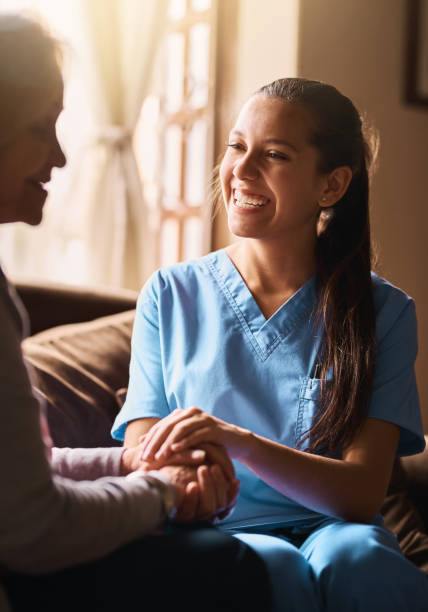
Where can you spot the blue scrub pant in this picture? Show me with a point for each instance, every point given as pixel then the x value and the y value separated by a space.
pixel 340 567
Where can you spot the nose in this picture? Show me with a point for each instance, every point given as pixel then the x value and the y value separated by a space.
pixel 246 167
pixel 58 158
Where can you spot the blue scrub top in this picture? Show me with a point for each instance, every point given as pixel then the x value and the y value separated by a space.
pixel 200 339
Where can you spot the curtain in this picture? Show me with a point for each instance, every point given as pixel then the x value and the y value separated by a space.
pixel 123 35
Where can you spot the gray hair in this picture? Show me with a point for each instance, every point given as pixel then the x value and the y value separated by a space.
pixel 30 70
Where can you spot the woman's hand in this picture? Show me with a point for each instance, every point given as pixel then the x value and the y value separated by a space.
pixel 131 459
pixel 206 491
pixel 203 492
pixel 183 429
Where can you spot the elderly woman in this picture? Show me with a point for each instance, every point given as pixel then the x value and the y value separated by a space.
pixel 72 519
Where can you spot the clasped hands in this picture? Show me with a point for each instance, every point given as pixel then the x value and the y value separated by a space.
pixel 204 478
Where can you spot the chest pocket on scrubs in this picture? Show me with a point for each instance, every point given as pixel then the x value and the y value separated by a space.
pixel 309 398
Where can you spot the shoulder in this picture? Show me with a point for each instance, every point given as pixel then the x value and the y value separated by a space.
pixel 12 312
pixel 392 305
pixel 184 278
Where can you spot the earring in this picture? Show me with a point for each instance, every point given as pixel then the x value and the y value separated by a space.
pixel 324 199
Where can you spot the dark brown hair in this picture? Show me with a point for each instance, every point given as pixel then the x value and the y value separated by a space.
pixel 345 310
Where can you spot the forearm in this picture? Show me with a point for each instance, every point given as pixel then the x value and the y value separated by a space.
pixel 137 428
pixel 86 463
pixel 349 489
pixel 66 522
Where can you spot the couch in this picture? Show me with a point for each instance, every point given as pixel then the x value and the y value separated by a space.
pixel 80 349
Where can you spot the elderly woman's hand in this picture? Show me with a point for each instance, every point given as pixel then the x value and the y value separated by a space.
pixel 204 493
pixel 204 477
pixel 132 460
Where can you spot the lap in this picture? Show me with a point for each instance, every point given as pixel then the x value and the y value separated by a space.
pixel 189 568
pixel 343 543
pixel 339 566
pixel 291 578
pixel 360 567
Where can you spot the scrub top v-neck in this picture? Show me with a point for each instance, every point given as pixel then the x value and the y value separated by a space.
pixel 200 339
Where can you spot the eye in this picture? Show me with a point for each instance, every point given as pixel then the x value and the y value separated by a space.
pixel 237 146
pixel 276 155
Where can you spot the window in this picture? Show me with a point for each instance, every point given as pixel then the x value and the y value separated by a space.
pixel 174 140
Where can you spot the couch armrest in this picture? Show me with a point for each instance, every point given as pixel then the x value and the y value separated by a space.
pixel 54 304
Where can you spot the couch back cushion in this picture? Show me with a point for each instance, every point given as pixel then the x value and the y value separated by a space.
pixel 81 369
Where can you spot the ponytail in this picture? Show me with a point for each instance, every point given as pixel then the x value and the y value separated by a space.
pixel 347 316
pixel 345 309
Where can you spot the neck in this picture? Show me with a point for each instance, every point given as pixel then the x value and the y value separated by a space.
pixel 271 270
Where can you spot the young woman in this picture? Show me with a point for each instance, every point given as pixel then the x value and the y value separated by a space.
pixel 65 544
pixel 288 351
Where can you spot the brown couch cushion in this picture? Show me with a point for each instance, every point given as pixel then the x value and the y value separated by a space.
pixel 402 517
pixel 416 472
pixel 80 367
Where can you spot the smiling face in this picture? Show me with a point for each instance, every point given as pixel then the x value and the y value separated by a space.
pixel 269 175
pixel 27 160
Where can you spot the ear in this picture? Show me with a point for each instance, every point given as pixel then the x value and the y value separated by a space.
pixel 337 182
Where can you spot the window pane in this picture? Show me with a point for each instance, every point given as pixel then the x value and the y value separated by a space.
pixel 172 166
pixel 176 9
pixel 199 63
pixel 192 239
pixel 174 71
pixel 146 138
pixel 201 5
pixel 196 146
pixel 169 242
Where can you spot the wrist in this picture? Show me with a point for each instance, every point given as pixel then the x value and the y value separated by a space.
pixel 124 468
pixel 247 442
pixel 130 461
pixel 168 492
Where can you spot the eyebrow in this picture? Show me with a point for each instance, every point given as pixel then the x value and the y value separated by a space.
pixel 277 141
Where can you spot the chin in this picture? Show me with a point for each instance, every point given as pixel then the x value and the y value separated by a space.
pixel 34 220
pixel 243 232
pixel 31 217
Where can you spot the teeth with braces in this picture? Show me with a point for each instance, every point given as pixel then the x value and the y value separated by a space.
pixel 244 201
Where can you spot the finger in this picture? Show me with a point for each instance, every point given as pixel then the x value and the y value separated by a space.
pixel 218 454
pixel 188 457
pixel 207 497
pixel 157 430
pixel 141 438
pixel 187 509
pixel 161 430
pixel 182 429
pixel 220 487
pixel 231 502
pixel 199 436
pixel 233 492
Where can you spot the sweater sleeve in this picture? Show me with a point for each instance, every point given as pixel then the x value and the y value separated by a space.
pixel 48 522
pixel 86 463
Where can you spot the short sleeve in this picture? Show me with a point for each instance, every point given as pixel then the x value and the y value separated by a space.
pixel 146 392
pixel 395 395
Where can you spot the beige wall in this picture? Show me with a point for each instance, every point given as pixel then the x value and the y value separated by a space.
pixel 357 45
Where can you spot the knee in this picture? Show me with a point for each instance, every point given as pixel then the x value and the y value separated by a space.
pixel 291 578
pixel 282 559
pixel 360 567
